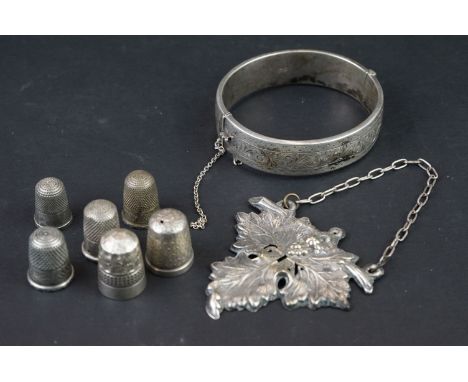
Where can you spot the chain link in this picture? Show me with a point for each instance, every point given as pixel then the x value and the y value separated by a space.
pixel 319 197
pixel 202 219
pixel 376 173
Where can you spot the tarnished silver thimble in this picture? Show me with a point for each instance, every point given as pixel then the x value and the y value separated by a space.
pixel 99 216
pixel 121 270
pixel 49 264
pixel 140 198
pixel 169 247
pixel 52 209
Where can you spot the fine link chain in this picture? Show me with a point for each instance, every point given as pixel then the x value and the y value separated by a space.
pixel 202 219
pixel 402 233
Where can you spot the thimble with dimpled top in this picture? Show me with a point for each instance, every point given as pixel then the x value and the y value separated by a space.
pixel 140 198
pixel 99 216
pixel 49 264
pixel 169 247
pixel 51 203
pixel 121 270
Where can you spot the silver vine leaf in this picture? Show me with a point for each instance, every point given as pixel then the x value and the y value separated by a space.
pixel 279 256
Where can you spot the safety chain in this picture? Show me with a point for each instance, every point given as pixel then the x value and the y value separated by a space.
pixel 202 219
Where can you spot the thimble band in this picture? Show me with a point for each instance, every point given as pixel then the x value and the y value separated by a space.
pixel 34 279
pixel 122 281
pixel 121 269
pixel 170 272
pixel 122 293
pixel 57 220
pixel 51 276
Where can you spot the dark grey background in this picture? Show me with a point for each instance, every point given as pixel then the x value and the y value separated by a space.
pixel 91 109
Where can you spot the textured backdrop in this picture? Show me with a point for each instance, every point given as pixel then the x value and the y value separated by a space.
pixel 91 109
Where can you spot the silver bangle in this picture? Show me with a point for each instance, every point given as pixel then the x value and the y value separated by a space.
pixel 305 157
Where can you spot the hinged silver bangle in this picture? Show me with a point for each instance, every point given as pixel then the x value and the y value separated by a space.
pixel 278 254
pixel 305 157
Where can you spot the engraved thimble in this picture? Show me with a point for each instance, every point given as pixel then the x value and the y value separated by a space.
pixel 49 264
pixel 169 247
pixel 51 202
pixel 121 270
pixel 99 216
pixel 140 198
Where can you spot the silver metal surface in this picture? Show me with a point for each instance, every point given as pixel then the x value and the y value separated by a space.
pixel 49 264
pixel 279 256
pixel 169 247
pixel 290 157
pixel 376 173
pixel 121 270
pixel 99 216
pixel 51 203
pixel 140 198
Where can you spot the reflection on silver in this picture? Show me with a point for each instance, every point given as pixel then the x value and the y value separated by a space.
pixel 279 256
pixel 169 247
pixel 99 216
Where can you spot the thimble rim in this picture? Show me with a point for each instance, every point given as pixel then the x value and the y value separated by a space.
pixel 51 288
pixel 65 224
pixel 170 272
pixel 87 254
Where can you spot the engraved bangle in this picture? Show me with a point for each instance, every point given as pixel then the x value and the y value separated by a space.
pixel 299 157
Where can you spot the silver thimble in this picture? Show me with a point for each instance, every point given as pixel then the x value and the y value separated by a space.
pixel 52 209
pixel 121 270
pixel 169 247
pixel 49 265
pixel 99 216
pixel 140 198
